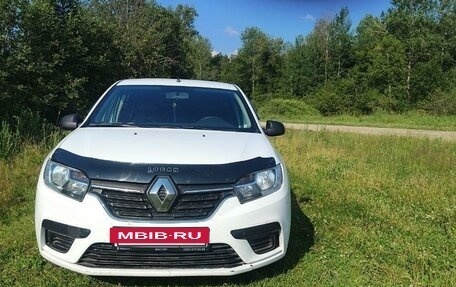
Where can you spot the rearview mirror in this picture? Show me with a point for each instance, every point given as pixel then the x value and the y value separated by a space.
pixel 70 122
pixel 274 128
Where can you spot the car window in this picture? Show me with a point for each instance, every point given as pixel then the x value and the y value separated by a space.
pixel 169 106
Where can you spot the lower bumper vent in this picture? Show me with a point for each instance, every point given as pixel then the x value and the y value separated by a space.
pixel 106 255
pixel 60 236
pixel 262 238
pixel 58 242
pixel 264 244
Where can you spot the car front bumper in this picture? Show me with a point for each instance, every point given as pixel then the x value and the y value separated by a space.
pixel 229 216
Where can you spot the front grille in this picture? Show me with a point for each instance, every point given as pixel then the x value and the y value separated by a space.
pixel 58 242
pixel 131 202
pixel 105 255
pixel 265 243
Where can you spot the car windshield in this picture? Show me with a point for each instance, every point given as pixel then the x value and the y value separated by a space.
pixel 173 107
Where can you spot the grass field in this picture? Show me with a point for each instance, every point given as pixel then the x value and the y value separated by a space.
pixel 367 211
pixel 407 120
pixel 290 110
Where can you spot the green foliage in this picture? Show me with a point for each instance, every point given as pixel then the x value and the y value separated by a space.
pixel 345 96
pixel 153 41
pixel 380 67
pixel 26 128
pixel 257 66
pixel 200 56
pixel 9 140
pixel 299 75
pixel 423 28
pixel 58 56
pixel 278 108
pixel 396 63
pixel 328 101
pixel 325 54
pixel 218 68
pixel 440 103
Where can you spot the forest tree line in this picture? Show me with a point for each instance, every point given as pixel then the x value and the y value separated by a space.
pixel 58 56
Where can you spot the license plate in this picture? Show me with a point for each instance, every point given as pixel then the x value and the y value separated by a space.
pixel 160 236
pixel 163 248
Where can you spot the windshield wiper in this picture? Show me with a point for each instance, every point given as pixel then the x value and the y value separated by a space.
pixel 116 124
pixel 162 126
pixel 173 126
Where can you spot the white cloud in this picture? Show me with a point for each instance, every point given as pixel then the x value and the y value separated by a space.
pixel 307 18
pixel 231 31
pixel 214 53
pixel 234 53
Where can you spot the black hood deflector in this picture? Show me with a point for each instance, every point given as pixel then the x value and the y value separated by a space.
pixel 146 172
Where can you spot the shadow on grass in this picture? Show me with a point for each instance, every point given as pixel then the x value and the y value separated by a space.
pixel 301 240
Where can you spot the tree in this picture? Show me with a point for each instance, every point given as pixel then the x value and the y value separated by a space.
pixel 218 64
pixel 56 57
pixel 319 48
pixel 380 65
pixel 258 65
pixel 316 59
pixel 330 42
pixel 154 41
pixel 10 15
pixel 414 23
pixel 59 55
pixel 299 72
pixel 200 56
pixel 341 43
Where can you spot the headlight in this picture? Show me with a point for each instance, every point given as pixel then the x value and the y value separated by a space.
pixel 69 181
pixel 259 184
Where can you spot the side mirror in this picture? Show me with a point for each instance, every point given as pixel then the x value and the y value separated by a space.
pixel 70 122
pixel 274 128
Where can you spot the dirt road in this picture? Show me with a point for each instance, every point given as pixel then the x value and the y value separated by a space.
pixel 432 134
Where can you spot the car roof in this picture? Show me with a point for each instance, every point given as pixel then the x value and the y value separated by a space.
pixel 177 82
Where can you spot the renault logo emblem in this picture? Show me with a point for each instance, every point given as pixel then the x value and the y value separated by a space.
pixel 162 193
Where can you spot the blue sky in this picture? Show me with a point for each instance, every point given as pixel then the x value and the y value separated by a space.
pixel 222 21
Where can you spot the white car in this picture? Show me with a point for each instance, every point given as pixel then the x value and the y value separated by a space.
pixel 164 177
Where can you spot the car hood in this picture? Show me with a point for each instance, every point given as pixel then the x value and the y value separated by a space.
pixel 166 146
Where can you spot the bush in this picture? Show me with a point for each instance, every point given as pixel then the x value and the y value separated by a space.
pixel 344 96
pixel 440 103
pixel 329 102
pixel 280 108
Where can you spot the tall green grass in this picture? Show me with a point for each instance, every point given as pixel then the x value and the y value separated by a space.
pixel 27 128
pixel 383 208
pixel 23 144
pixel 10 140
pixel 366 211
